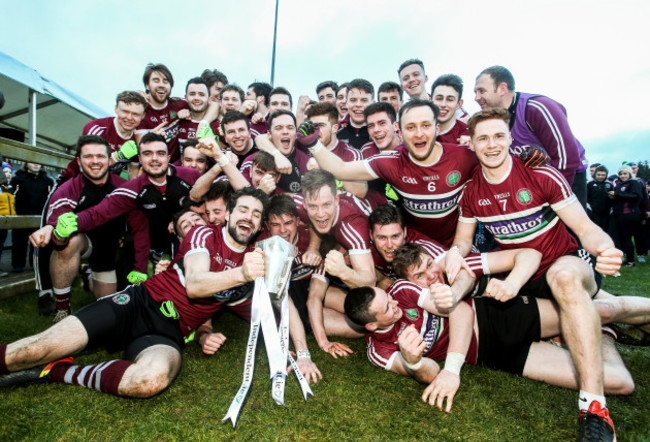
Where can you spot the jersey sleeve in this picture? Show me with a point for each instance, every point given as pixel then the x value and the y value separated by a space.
pixel 465 204
pixel 64 200
pixel 379 165
pixel 116 203
pixel 198 240
pixel 548 120
pixel 354 236
pixel 139 225
pixel 555 188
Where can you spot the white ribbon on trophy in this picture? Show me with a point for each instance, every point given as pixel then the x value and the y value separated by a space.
pixel 273 286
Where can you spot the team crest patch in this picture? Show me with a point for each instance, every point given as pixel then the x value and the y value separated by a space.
pixel 412 313
pixel 453 178
pixel 524 196
pixel 121 299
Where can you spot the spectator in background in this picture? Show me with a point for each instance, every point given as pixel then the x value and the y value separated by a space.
pixel 599 204
pixel 627 196
pixel 640 232
pixel 7 206
pixel 32 186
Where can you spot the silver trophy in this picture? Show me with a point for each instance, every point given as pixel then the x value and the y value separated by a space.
pixel 279 259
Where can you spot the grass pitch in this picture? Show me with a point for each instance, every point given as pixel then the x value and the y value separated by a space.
pixel 355 400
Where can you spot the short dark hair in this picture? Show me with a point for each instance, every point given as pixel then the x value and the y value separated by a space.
pixel 407 255
pixel 283 204
pixel 197 80
pixel 212 76
pixel 409 62
pixel 380 106
pixel 451 80
pixel 130 97
pixel 601 168
pixel 249 191
pixel 281 91
pixel 264 160
pixel 151 137
pixel 157 67
pixel 279 113
pixel 218 189
pixel 176 216
pixel 342 86
pixel 418 102
pixel 323 108
pixel 500 75
pixel 315 179
pixel 232 116
pixel 491 113
pixel 384 215
pixel 92 139
pixel 234 87
pixel 388 86
pixel 263 89
pixel 325 84
pixel 357 305
pixel 594 165
pixel 361 84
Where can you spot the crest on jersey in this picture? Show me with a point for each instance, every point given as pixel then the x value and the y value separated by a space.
pixel 412 313
pixel 453 178
pixel 524 196
pixel 121 299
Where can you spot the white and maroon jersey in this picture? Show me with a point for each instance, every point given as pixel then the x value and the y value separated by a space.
pixel 453 133
pixel 429 193
pixel 369 149
pixel 436 250
pixel 346 152
pixel 520 211
pixel 383 347
pixel 167 114
pixel 107 129
pixel 298 269
pixel 187 129
pixel 170 284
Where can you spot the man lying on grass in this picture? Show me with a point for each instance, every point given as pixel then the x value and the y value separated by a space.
pixel 216 265
pixel 409 321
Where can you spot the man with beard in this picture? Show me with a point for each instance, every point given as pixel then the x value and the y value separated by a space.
pixel 196 96
pixel 215 268
pixel 159 192
pixel 99 245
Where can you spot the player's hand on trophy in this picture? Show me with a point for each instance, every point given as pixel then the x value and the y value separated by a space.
pixel 253 266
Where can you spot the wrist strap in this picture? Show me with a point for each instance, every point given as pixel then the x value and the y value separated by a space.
pixel 303 354
pixel 412 367
pixel 454 362
pixel 223 160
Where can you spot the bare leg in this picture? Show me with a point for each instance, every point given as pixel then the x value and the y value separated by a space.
pixel 62 339
pixel 101 289
pixel 572 284
pixel 64 264
pixel 153 370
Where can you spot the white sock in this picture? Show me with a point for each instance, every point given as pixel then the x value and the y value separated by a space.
pixel 585 399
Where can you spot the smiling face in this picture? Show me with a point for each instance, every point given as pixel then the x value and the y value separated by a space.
pixel 129 116
pixel 197 97
pixel 238 136
pixel 215 211
pixel 413 80
pixel 282 134
pixel 285 226
pixel 358 101
pixel 387 239
pixel 381 130
pixel 187 221
pixel 419 132
pixel 154 159
pixel 491 143
pixel 194 159
pixel 327 94
pixel 245 220
pixel 215 90
pixel 426 272
pixel 230 101
pixel 93 162
pixel 322 207
pixel 392 98
pixel 487 93
pixel 159 88
pixel 446 98
pixel 342 102
pixel 385 310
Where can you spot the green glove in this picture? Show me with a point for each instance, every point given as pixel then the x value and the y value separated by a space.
pixel 127 151
pixel 136 277
pixel 205 132
pixel 66 225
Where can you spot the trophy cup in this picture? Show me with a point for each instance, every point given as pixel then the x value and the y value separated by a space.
pixel 279 258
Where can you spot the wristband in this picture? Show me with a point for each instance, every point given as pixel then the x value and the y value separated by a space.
pixel 412 367
pixel 223 160
pixel 456 248
pixel 315 148
pixel 303 354
pixel 276 151
pixel 454 363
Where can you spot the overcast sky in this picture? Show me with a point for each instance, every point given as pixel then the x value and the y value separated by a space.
pixel 590 55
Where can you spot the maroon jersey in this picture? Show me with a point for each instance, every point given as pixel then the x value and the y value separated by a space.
pixel 107 129
pixel 288 183
pixel 345 152
pixel 298 269
pixel 187 129
pixel 429 193
pixel 412 236
pixel 170 284
pixel 369 149
pixel 520 211
pixel 382 345
pixel 454 133
pixel 167 114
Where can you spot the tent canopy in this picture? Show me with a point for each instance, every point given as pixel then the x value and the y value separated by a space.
pixel 59 114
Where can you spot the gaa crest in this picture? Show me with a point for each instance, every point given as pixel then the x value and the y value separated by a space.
pixel 524 196
pixel 121 299
pixel 453 178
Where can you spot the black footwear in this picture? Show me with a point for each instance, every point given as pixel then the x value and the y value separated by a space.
pixel 36 375
pixel 596 425
pixel 631 335
pixel 46 304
